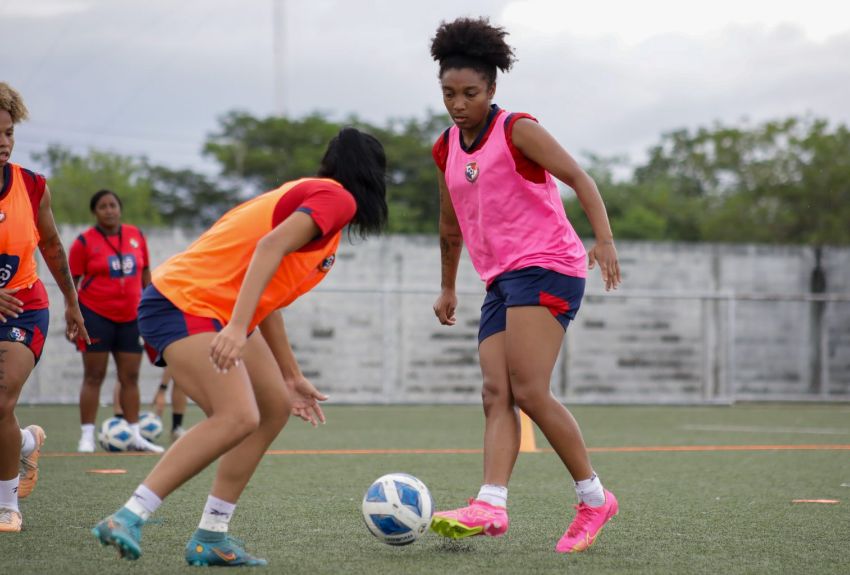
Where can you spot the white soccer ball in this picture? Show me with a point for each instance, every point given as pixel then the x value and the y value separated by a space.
pixel 397 508
pixel 115 434
pixel 150 425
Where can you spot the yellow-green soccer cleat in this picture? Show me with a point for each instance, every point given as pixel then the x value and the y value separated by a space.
pixel 477 518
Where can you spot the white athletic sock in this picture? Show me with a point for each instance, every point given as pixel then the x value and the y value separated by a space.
pixel 217 514
pixel 9 494
pixel 137 432
pixel 27 443
pixel 590 491
pixel 494 495
pixel 143 502
pixel 87 430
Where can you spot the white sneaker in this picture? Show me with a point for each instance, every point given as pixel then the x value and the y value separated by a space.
pixel 177 433
pixel 86 444
pixel 142 444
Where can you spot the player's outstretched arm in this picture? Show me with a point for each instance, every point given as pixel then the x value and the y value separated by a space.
pixel 305 398
pixel 293 233
pixel 538 145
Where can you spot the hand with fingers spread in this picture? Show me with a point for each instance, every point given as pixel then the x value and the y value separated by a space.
pixel 227 346
pixel 606 255
pixel 10 306
pixel 305 400
pixel 445 306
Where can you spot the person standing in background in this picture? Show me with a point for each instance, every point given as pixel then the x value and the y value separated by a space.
pixel 110 266
pixel 178 404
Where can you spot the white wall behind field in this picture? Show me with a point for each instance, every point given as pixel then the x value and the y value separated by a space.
pixel 691 323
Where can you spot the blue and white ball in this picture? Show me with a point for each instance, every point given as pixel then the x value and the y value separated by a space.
pixel 115 434
pixel 150 425
pixel 397 508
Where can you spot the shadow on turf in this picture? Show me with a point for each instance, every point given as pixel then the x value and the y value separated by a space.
pixel 452 546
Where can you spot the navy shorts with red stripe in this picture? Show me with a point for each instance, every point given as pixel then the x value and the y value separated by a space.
pixel 107 335
pixel 161 323
pixel 533 286
pixel 29 328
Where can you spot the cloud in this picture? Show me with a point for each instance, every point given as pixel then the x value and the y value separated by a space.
pixel 609 97
pixel 45 8
pixel 634 22
pixel 152 77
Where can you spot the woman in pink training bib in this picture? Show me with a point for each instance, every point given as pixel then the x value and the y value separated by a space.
pixel 498 196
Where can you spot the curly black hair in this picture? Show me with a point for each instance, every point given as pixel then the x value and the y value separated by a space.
pixel 472 43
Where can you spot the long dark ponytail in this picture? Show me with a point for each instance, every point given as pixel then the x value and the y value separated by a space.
pixel 357 161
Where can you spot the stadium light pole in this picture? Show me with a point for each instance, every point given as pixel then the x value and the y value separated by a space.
pixel 279 54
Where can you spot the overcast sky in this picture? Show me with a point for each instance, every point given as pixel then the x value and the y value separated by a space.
pixel 151 77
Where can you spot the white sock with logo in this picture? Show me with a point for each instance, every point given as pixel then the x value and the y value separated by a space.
pixel 494 495
pixel 27 443
pixel 590 491
pixel 143 502
pixel 217 514
pixel 9 494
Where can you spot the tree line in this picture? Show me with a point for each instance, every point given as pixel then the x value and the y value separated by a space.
pixel 783 181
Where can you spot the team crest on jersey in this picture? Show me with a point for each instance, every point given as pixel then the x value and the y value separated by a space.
pixel 17 334
pixel 134 243
pixel 327 263
pixel 471 172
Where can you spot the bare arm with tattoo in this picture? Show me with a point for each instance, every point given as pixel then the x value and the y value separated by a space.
pixel 451 243
pixel 54 256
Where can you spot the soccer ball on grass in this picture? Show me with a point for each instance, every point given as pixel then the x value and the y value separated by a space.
pixel 115 434
pixel 397 508
pixel 150 425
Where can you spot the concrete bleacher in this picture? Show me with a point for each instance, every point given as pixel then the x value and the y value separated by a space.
pixel 691 323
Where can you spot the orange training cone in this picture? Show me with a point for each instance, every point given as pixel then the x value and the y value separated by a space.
pixel 526 434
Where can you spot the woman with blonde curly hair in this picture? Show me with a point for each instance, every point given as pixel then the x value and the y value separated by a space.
pixel 26 222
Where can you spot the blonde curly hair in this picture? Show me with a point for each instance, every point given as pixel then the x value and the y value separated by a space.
pixel 11 101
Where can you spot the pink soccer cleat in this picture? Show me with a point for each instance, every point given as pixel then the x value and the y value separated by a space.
pixel 478 518
pixel 586 526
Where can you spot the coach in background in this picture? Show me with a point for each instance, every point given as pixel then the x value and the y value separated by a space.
pixel 110 265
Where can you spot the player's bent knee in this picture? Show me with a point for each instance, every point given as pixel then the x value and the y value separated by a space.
pixel 242 424
pixel 530 400
pixel 494 395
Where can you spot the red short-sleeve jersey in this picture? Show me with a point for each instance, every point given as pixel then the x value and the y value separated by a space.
pixel 110 267
pixel 330 206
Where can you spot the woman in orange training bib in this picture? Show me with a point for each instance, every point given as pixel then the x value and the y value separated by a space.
pixel 211 315
pixel 26 222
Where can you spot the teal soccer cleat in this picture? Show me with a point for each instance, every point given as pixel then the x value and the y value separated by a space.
pixel 122 530
pixel 207 548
